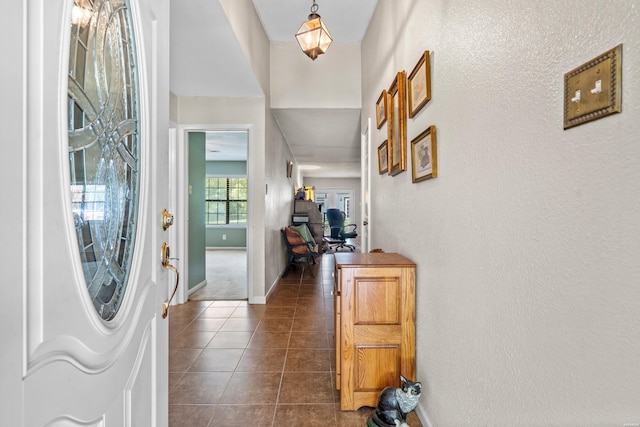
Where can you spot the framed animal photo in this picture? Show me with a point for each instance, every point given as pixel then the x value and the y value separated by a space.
pixel 381 109
pixel 419 86
pixel 383 158
pixel 424 159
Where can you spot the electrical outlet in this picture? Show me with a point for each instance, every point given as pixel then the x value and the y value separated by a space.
pixel 224 237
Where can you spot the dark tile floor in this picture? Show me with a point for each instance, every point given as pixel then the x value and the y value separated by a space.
pixel 235 364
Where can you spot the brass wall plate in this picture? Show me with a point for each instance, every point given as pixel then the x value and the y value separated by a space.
pixel 594 89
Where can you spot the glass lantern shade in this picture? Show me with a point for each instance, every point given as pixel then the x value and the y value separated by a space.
pixel 313 37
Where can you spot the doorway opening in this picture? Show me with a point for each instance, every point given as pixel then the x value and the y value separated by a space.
pixel 340 198
pixel 218 214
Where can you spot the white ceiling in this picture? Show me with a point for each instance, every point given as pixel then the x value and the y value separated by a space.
pixel 325 142
pixel 347 20
pixel 226 145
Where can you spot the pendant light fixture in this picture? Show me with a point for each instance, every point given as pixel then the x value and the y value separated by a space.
pixel 313 36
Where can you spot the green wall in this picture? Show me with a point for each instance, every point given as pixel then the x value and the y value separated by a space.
pixel 230 168
pixel 197 229
pixel 236 237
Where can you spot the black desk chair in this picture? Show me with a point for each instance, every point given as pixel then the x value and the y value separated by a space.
pixel 340 231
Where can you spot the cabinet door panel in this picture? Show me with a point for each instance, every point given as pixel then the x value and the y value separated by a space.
pixel 377 300
pixel 376 367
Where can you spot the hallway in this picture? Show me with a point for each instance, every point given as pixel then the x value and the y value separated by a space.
pixel 231 363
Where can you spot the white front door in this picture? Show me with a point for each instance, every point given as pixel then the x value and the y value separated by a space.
pixel 92 344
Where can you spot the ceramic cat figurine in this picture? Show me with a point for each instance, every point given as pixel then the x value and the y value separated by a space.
pixel 394 404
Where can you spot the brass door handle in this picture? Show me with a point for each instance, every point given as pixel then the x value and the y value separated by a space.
pixel 166 264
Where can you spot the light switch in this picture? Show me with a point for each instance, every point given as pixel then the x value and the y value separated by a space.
pixel 592 90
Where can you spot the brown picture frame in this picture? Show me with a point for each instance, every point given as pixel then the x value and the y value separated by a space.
pixel 424 159
pixel 397 124
pixel 383 158
pixel 381 109
pixel 419 85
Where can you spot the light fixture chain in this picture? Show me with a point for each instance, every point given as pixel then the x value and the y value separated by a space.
pixel 314 7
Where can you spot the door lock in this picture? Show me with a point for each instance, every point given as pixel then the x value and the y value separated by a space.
pixel 167 219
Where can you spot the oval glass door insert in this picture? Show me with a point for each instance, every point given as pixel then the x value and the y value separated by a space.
pixel 104 146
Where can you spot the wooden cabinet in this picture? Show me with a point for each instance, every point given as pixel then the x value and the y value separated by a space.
pixel 374 297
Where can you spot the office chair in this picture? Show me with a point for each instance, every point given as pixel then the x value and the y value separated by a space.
pixel 339 231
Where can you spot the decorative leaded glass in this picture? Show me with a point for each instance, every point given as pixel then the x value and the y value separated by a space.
pixel 104 146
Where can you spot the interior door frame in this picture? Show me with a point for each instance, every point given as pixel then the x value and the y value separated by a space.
pixel 182 196
pixel 365 182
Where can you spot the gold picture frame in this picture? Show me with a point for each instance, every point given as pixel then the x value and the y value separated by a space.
pixel 419 86
pixel 424 159
pixel 397 124
pixel 381 109
pixel 383 158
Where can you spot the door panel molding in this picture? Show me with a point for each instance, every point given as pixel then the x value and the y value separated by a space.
pixel 66 421
pixel 70 349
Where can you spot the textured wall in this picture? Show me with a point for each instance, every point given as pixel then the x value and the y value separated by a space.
pixel 331 81
pixel 527 244
pixel 278 202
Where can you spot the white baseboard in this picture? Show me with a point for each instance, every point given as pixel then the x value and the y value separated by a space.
pixel 263 300
pixel 422 416
pixel 231 248
pixel 258 300
pixel 198 286
pixel 274 284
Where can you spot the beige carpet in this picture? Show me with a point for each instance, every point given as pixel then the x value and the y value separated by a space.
pixel 226 276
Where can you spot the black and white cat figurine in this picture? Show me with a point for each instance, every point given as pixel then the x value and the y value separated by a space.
pixel 394 404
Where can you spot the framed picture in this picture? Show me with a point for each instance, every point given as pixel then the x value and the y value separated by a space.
pixel 289 168
pixel 420 84
pixel 383 158
pixel 381 109
pixel 397 124
pixel 424 161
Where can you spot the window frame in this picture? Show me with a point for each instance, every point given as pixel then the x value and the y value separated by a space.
pixel 227 201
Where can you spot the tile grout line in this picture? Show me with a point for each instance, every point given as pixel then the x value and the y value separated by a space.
pixel 286 355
